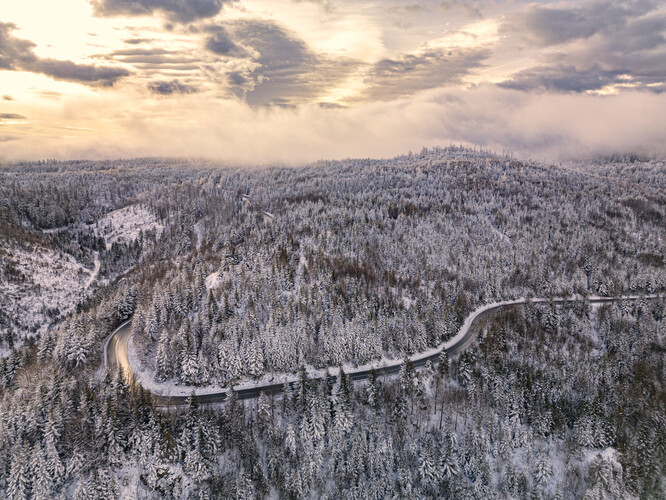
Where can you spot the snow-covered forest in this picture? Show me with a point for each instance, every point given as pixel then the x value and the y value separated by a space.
pixel 232 275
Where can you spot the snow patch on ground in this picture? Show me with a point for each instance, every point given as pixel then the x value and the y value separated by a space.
pixel 126 223
pixel 198 231
pixel 54 230
pixel 213 281
pixel 609 454
pixel 95 273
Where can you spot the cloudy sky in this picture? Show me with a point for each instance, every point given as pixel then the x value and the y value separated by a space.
pixel 289 81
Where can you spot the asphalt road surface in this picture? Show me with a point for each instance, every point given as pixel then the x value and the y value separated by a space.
pixel 115 352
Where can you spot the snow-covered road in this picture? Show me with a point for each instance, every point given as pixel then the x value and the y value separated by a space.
pixel 115 354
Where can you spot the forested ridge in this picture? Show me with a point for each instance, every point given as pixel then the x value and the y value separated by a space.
pixel 233 274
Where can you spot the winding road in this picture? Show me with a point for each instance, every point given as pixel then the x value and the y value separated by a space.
pixel 115 352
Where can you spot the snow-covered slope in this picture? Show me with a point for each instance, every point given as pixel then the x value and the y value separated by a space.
pixel 42 284
pixel 126 223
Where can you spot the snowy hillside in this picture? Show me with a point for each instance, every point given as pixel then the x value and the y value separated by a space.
pixel 360 261
pixel 38 286
pixel 125 224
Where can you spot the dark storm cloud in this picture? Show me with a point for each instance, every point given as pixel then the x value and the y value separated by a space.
pixel 82 73
pixel 172 87
pixel 551 26
pixel 220 43
pixel 281 53
pixel 176 10
pixel 562 79
pixel 18 55
pixel 330 105
pixel 640 48
pixel 11 116
pixel 287 72
pixel 137 41
pixel 158 59
pixel 237 79
pixel 14 51
pixel 165 67
pixel 137 52
pixel 641 34
pixel 410 73
pixel 153 58
pixel 286 64
pixel 601 44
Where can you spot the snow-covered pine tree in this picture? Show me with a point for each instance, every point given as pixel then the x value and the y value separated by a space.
pixel 42 484
pixel 188 368
pixel 18 482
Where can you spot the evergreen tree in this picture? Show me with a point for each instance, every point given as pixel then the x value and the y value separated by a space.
pixel 344 419
pixel 373 390
pixel 290 439
pixel 244 487
pixel 18 483
pixel 162 363
pixel 189 368
pixel 42 484
pixel 83 490
pixel 543 469
pixel 53 461
pixel 255 359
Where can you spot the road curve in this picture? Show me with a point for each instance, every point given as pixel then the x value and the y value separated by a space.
pixel 115 352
